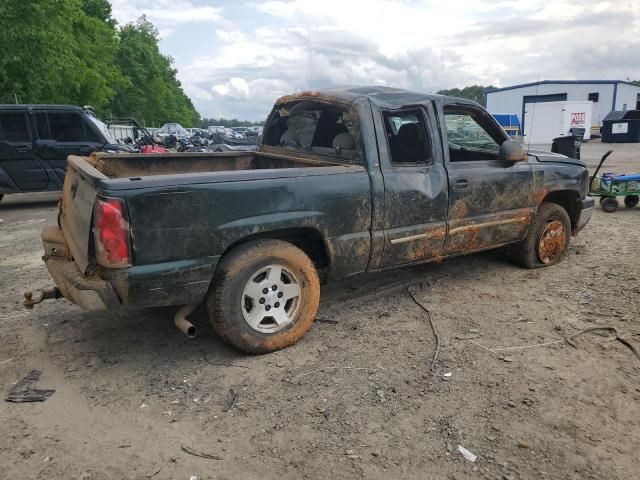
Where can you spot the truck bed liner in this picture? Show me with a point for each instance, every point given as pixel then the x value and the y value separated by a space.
pixel 123 166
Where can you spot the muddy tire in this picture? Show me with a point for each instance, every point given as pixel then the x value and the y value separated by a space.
pixel 631 201
pixel 547 239
pixel 264 296
pixel 609 204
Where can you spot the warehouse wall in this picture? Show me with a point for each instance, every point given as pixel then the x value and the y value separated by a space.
pixel 510 101
pixel 627 96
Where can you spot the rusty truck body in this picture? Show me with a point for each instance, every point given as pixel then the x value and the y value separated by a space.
pixel 344 182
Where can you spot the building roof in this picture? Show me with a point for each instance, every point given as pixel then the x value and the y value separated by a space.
pixel 561 82
pixel 386 97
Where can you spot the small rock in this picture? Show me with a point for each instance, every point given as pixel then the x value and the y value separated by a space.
pixel 511 403
pixel 447 376
pixel 507 359
pixel 522 444
pixel 327 414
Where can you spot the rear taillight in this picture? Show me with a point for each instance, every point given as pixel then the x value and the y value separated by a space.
pixel 111 233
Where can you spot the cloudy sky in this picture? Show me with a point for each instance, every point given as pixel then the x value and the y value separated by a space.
pixel 235 57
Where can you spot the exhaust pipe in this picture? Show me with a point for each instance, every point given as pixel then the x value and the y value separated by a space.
pixel 184 325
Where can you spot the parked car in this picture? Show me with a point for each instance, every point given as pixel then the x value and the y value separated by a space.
pixel 35 141
pixel 345 181
pixel 171 130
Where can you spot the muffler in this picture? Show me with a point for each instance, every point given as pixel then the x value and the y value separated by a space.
pixel 184 325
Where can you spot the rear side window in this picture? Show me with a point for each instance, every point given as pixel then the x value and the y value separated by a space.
pixel 64 127
pixel 407 137
pixel 14 127
pixel 316 128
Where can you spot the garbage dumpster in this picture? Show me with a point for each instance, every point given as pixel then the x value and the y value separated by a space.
pixel 569 146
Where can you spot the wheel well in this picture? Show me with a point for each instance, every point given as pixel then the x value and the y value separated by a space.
pixel 308 240
pixel 567 199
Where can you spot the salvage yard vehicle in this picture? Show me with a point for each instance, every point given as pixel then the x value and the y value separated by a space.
pixel 345 181
pixel 35 141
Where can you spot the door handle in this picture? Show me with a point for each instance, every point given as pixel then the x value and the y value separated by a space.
pixel 461 184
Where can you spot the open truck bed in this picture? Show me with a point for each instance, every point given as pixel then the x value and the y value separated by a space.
pixel 136 165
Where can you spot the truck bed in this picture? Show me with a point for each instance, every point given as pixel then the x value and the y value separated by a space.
pixel 138 165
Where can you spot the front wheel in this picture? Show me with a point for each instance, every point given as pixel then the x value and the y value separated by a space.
pixel 609 204
pixel 264 297
pixel 547 239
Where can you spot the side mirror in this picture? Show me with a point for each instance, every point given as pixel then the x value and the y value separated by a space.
pixel 512 151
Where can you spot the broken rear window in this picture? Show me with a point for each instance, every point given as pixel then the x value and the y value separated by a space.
pixel 315 128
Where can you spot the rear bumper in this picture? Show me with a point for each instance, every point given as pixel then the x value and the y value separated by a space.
pixel 91 293
pixel 586 211
pixel 163 284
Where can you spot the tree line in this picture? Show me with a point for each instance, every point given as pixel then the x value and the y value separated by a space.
pixel 474 92
pixel 73 51
pixel 227 122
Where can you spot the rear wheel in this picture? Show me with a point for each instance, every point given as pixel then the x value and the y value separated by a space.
pixel 547 239
pixel 631 200
pixel 265 296
pixel 609 204
pixel 1 196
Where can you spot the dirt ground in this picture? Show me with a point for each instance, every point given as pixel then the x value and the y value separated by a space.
pixel 356 397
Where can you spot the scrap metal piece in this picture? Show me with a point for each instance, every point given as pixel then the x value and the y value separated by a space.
pixel 22 391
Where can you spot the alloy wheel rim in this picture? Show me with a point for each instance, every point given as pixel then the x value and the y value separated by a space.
pixel 271 299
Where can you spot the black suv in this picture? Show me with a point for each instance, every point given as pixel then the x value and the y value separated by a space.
pixel 35 141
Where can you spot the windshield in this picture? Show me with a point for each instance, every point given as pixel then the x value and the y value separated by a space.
pixel 103 129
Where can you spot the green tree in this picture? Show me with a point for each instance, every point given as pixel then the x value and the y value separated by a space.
pixel 153 94
pixel 55 53
pixel 474 92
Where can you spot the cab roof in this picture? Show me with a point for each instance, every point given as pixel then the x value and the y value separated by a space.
pixel 385 97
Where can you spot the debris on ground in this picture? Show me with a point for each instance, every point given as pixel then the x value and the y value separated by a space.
pixel 23 392
pixel 467 454
pixel 585 297
pixel 195 453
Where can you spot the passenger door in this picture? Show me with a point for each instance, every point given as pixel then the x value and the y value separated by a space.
pixel 17 157
pixel 490 201
pixel 64 133
pixel 415 186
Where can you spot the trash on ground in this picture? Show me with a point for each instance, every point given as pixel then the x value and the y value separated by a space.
pixel 467 454
pixel 23 391
pixel 447 376
pixel 585 297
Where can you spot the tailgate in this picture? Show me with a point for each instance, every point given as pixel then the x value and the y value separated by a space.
pixel 76 208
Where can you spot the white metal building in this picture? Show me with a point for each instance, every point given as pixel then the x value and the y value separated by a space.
pixel 606 95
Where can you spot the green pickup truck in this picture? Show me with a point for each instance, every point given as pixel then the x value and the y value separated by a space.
pixel 344 181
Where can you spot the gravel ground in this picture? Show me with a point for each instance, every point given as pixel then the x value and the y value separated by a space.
pixel 356 397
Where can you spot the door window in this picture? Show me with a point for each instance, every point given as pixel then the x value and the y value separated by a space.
pixel 65 127
pixel 471 136
pixel 407 137
pixel 14 127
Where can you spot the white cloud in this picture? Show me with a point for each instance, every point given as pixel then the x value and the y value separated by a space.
pixel 259 51
pixel 166 15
